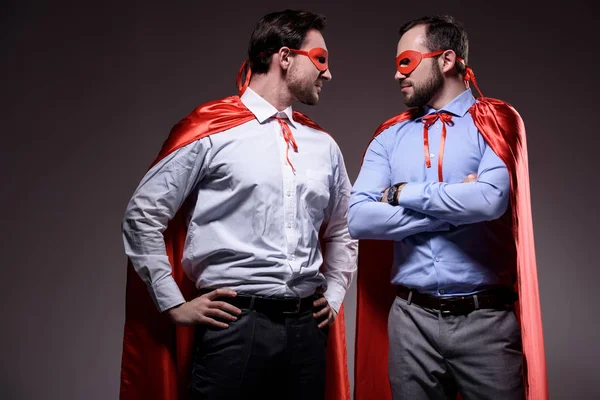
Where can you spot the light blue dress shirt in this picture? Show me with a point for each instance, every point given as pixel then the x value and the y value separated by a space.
pixel 449 237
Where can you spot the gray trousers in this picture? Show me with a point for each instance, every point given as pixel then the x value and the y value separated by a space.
pixel 434 356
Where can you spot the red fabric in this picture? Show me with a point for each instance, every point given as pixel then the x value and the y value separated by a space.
pixel 318 56
pixel 409 60
pixel 503 129
pixel 429 120
pixel 288 136
pixel 156 352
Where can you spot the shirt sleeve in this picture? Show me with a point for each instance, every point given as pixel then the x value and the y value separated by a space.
pixel 463 203
pixel 371 219
pixel 339 266
pixel 154 203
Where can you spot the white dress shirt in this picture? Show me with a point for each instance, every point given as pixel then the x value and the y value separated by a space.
pixel 253 223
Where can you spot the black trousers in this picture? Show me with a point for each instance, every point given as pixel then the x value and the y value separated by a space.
pixel 260 357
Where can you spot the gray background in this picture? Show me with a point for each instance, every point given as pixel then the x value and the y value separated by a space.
pixel 89 93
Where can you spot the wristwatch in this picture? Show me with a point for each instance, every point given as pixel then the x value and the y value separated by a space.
pixel 392 194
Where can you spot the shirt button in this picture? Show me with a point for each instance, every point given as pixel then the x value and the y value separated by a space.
pixel 289 194
pixel 289 225
pixel 432 155
pixel 437 259
pixel 442 291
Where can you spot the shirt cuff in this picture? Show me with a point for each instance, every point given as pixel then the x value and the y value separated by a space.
pixel 166 294
pixel 411 196
pixel 335 295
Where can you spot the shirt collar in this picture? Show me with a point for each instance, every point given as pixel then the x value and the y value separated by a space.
pixel 262 109
pixel 459 106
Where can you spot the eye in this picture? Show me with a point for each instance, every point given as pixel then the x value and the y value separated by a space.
pixel 321 60
pixel 405 62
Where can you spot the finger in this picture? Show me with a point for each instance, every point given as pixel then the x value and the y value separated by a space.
pixel 212 322
pixel 214 312
pixel 220 293
pixel 384 196
pixel 222 305
pixel 320 302
pixel 322 313
pixel 325 322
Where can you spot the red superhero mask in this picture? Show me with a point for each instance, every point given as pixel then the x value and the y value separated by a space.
pixel 409 60
pixel 317 55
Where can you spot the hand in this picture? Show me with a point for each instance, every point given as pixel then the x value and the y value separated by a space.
pixel 203 310
pixel 470 178
pixel 325 316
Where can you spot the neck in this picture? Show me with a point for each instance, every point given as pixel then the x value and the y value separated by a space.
pixel 448 92
pixel 273 90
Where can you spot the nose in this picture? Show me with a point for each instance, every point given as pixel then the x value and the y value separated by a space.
pixel 398 76
pixel 326 75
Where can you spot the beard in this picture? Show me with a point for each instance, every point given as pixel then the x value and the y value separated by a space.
pixel 424 93
pixel 303 89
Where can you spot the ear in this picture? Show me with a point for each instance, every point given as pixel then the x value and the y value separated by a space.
pixel 447 61
pixel 284 58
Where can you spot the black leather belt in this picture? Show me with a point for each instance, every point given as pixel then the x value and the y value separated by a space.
pixel 270 305
pixel 499 299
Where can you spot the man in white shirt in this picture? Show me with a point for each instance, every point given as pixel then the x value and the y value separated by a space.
pixel 259 200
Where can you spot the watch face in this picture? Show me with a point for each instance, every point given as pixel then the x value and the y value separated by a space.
pixel 391 196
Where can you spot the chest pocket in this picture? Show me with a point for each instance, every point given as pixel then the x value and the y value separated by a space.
pixel 316 192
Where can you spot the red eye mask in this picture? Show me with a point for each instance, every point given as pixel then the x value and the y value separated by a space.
pixel 408 60
pixel 317 55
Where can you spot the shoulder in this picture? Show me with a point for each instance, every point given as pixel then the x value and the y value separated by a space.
pixel 305 120
pixel 313 127
pixel 497 118
pixel 490 107
pixel 215 107
pixel 395 124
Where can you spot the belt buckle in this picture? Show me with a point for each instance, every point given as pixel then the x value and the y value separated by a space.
pixel 447 305
pixel 297 310
pixel 443 307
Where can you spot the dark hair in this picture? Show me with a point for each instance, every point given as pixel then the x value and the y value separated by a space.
pixel 284 28
pixel 443 33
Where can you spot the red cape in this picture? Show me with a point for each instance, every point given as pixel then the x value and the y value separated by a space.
pixel 156 352
pixel 503 129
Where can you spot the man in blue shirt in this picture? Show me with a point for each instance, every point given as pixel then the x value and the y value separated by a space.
pixel 434 186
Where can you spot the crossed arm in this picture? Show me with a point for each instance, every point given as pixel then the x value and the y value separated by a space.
pixel 427 206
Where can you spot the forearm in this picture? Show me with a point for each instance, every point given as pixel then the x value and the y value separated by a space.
pixel 460 203
pixel 369 218
pixel 485 199
pixel 145 246
pixel 154 203
pixel 339 260
pixel 339 265
pixel 376 220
